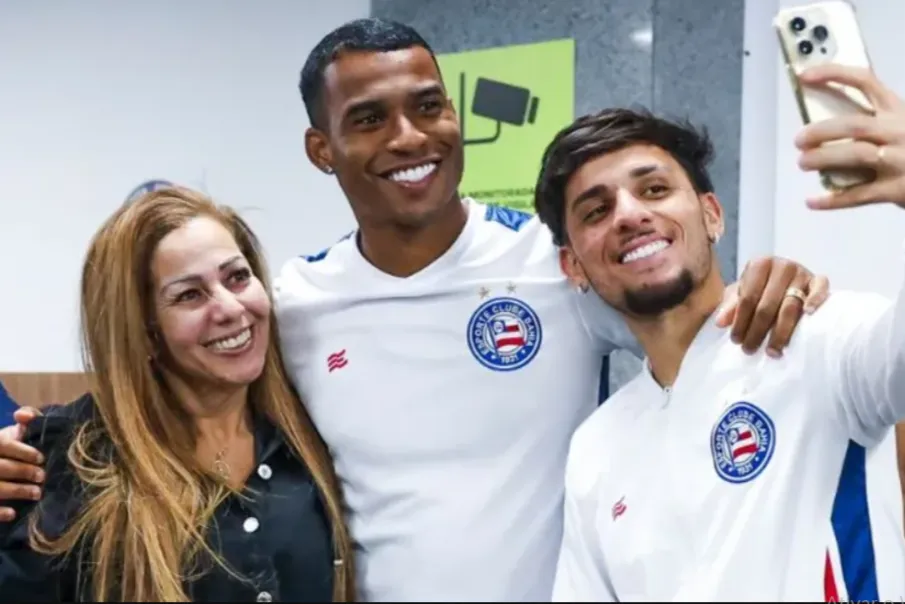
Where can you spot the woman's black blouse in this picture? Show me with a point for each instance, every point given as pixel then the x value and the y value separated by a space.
pixel 276 536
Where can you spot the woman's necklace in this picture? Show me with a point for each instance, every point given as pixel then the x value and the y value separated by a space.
pixel 221 468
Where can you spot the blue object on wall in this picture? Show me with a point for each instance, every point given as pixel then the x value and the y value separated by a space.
pixel 7 408
pixel 147 187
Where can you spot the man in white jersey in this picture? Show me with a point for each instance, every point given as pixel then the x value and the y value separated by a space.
pixel 440 350
pixel 715 475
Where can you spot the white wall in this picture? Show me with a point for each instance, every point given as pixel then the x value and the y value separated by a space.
pixel 859 249
pixel 99 95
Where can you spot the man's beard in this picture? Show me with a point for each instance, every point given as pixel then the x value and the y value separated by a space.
pixel 656 299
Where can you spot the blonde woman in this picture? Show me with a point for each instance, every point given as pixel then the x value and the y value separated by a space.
pixel 191 471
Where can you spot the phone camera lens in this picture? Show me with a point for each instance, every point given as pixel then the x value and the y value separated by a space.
pixel 797 24
pixel 820 33
pixel 805 47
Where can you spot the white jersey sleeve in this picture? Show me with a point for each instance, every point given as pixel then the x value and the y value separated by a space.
pixel 864 361
pixel 581 574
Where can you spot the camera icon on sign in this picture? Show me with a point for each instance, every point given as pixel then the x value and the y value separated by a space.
pixel 500 102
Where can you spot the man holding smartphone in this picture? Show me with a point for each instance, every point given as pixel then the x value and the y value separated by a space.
pixel 714 476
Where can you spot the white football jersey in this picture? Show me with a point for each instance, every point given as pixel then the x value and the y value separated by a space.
pixel 748 479
pixel 448 399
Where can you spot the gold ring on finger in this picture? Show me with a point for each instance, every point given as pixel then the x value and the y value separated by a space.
pixel 794 292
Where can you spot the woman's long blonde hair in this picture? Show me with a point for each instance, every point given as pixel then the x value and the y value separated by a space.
pixel 149 503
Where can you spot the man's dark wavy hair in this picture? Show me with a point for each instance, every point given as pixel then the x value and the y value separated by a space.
pixel 610 130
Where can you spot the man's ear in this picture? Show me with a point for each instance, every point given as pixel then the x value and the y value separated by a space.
pixel 713 216
pixel 572 268
pixel 317 148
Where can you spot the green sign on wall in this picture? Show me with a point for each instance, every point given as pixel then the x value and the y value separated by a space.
pixel 511 101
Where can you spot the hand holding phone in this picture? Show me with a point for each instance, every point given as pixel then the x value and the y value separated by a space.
pixel 869 142
pixel 818 34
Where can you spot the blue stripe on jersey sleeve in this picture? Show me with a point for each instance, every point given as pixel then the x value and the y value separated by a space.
pixel 323 253
pixel 851 526
pixel 509 218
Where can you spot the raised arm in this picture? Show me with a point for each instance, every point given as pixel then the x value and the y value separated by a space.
pixel 867 359
pixel 864 362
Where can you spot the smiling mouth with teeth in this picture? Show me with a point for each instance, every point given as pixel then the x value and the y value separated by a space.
pixel 231 343
pixel 413 175
pixel 645 251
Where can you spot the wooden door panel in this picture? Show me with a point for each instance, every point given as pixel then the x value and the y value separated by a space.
pixel 39 389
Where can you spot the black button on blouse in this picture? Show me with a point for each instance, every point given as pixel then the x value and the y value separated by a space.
pixel 276 537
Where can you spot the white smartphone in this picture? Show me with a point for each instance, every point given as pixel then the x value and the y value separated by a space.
pixel 825 32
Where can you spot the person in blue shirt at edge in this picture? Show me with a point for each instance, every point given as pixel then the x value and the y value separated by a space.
pixel 7 408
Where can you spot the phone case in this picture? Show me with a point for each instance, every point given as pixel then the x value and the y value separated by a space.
pixel 818 33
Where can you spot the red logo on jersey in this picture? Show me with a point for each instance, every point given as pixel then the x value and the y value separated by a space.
pixel 619 508
pixel 337 360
